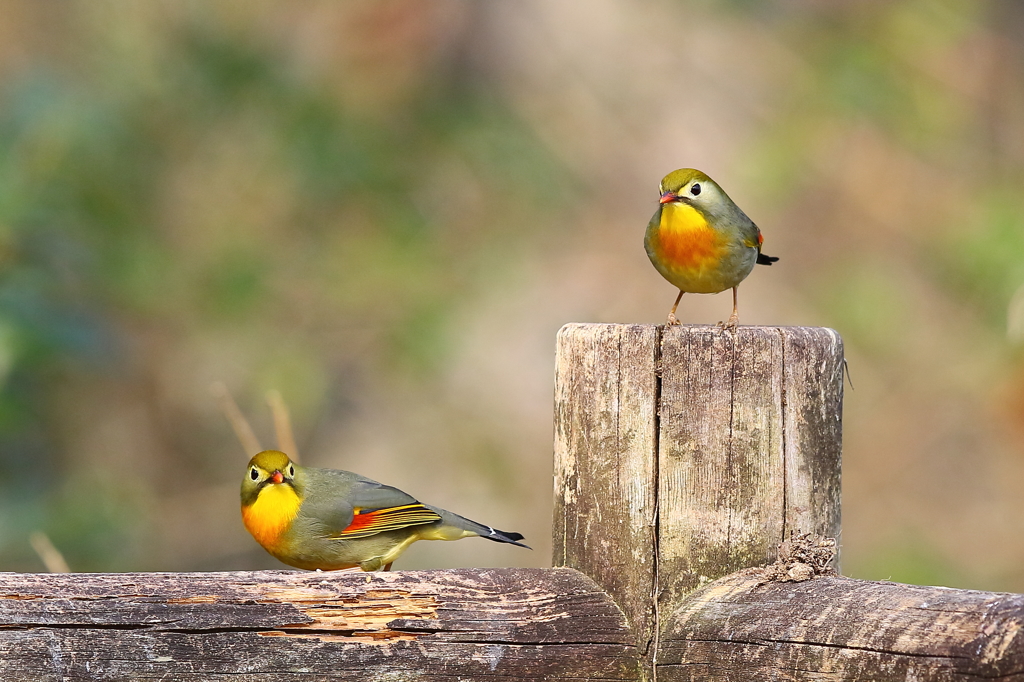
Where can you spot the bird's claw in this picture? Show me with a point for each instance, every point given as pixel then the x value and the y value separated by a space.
pixel 672 321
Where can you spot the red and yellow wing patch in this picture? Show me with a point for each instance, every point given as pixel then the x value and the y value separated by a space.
pixel 367 522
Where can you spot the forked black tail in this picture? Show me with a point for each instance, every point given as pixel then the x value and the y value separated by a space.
pixel 503 536
pixel 480 529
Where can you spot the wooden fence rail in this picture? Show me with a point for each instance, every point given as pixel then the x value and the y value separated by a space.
pixel 283 625
pixel 831 628
pixel 683 457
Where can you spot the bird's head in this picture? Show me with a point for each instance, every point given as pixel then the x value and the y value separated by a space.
pixel 267 468
pixel 691 186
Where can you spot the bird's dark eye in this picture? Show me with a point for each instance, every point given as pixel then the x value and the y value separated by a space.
pixel 695 189
pixel 291 471
pixel 253 474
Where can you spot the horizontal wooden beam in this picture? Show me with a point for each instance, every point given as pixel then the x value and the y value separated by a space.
pixel 493 624
pixel 832 628
pixel 501 624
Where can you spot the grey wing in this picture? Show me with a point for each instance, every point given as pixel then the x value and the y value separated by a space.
pixel 747 229
pixel 370 508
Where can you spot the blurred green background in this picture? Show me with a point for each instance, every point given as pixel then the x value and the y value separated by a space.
pixel 387 208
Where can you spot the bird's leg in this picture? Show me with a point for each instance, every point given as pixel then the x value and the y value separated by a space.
pixel 734 319
pixel 387 566
pixel 672 313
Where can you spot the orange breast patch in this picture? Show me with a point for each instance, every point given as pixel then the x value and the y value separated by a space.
pixel 271 514
pixel 685 241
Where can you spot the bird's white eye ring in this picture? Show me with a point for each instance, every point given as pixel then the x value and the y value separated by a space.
pixel 254 474
pixel 291 470
pixel 695 189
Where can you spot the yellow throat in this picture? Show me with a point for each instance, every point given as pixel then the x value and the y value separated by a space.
pixel 272 513
pixel 685 240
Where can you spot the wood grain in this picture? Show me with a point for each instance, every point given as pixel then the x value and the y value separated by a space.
pixel 494 624
pixel 685 453
pixel 739 628
pixel 812 385
pixel 722 499
pixel 605 463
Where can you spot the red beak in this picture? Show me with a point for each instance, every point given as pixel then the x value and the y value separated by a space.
pixel 667 197
pixel 278 477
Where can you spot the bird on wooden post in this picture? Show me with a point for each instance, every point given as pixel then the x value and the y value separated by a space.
pixel 700 241
pixel 329 519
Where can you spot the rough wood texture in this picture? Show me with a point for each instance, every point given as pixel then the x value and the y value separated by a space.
pixel 841 629
pixel 493 624
pixel 685 453
pixel 749 446
pixel 507 624
pixel 812 404
pixel 605 463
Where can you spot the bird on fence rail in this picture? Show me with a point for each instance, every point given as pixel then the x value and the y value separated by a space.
pixel 700 241
pixel 330 519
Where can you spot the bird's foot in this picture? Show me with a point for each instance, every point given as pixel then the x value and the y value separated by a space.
pixel 729 324
pixel 672 321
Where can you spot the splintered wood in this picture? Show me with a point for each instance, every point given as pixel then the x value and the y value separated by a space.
pixel 497 624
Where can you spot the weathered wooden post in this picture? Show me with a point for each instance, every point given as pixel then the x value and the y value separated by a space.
pixel 685 453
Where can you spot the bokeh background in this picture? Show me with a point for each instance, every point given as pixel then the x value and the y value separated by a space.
pixel 386 208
